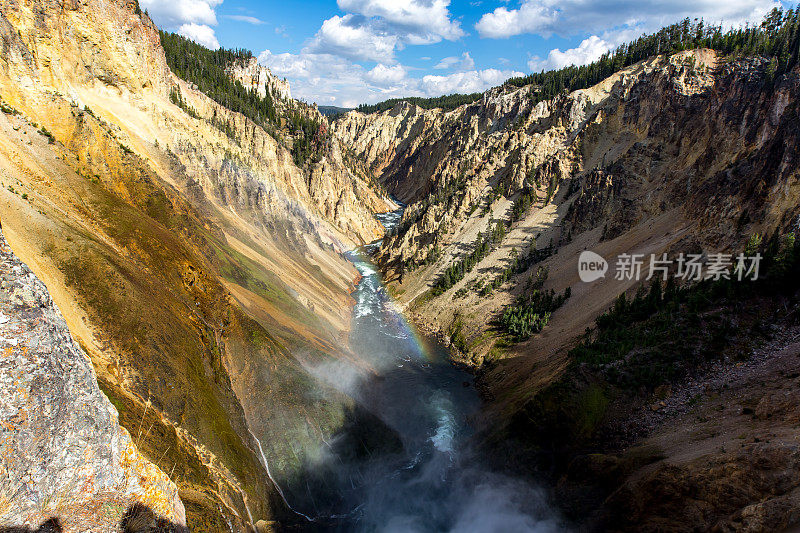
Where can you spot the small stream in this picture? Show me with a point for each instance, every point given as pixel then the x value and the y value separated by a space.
pixel 423 475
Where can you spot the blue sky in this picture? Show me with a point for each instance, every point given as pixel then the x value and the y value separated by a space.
pixel 346 52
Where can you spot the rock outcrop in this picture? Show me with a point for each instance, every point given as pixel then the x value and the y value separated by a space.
pixel 259 78
pixel 63 454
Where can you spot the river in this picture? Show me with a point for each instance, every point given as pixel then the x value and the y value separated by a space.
pixel 427 477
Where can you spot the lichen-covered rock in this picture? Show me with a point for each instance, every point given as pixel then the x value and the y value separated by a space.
pixel 63 453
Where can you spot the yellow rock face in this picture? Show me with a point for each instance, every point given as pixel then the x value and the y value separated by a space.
pixel 199 272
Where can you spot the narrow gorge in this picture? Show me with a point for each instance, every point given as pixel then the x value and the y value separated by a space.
pixel 223 310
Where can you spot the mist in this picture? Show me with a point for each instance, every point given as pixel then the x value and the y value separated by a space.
pixel 404 460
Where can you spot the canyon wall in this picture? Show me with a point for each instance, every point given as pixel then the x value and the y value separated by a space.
pixel 200 270
pixel 689 153
pixel 668 154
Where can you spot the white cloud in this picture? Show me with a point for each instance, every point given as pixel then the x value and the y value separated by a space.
pixel 191 18
pixel 332 79
pixel 569 17
pixel 327 68
pixel 173 13
pixel 201 34
pixel 355 38
pixel 465 82
pixel 383 75
pixel 531 17
pixel 418 21
pixel 465 62
pixel 589 50
pixel 372 30
pixel 322 77
pixel 246 18
pixel 305 65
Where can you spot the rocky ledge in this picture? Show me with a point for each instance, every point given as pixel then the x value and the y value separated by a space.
pixel 63 456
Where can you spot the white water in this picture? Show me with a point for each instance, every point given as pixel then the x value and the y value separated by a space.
pixel 427 478
pixel 274 483
pixel 439 483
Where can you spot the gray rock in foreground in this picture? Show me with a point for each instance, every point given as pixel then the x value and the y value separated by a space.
pixel 63 453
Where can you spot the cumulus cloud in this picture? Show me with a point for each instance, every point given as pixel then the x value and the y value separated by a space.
pixel 589 50
pixel 531 17
pixel 569 17
pixel 383 75
pixel 173 13
pixel 465 82
pixel 419 21
pixel 372 30
pixel 354 37
pixel 328 68
pixel 191 18
pixel 332 79
pixel 322 77
pixel 200 33
pixel 465 62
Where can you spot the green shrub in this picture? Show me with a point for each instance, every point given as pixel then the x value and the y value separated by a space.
pixel 7 109
pixel 50 138
pixel 531 312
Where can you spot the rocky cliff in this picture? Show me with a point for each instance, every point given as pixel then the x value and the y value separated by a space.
pixel 63 454
pixel 680 143
pixel 682 153
pixel 199 268
pixel 259 78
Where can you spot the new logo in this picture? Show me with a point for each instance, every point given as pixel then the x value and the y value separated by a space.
pixel 591 266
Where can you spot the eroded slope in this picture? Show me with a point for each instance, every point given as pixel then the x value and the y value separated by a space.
pixel 201 270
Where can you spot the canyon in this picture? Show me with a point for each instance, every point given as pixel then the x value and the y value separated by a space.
pixel 236 313
pixel 688 153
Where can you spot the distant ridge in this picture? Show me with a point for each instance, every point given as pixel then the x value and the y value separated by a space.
pixel 332 111
pixel 775 38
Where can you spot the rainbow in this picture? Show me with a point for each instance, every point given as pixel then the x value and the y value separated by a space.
pixel 424 347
